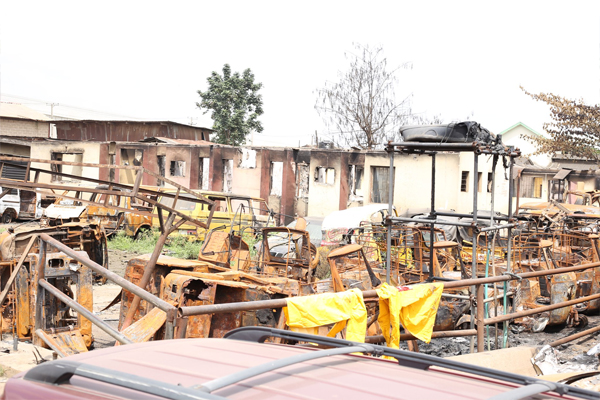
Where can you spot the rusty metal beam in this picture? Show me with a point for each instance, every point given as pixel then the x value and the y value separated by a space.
pixel 124 283
pixel 533 311
pixel 51 343
pixel 15 272
pixel 480 319
pixel 84 312
pixel 575 336
pixel 148 270
pixel 502 278
pixel 98 166
pixel 434 335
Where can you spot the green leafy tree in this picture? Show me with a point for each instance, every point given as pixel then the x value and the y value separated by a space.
pixel 234 103
pixel 574 130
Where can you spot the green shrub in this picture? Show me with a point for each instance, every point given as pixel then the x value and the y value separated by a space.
pixel 177 245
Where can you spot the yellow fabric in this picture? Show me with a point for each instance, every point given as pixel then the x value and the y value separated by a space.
pixel 345 309
pixel 415 309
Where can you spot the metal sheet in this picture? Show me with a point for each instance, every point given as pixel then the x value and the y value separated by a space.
pixel 562 174
pixel 144 328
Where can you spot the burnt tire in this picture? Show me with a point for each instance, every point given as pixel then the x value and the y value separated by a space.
pixel 7 218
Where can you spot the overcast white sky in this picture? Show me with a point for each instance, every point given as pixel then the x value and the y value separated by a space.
pixel 148 59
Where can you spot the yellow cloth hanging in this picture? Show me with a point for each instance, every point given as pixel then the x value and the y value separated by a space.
pixel 307 313
pixel 415 309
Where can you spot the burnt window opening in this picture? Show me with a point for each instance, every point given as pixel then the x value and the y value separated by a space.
pixel 112 160
pixel 130 158
pixel 203 169
pixel 303 180
pixel 227 176
pixel 72 157
pixel 355 178
pixel 56 167
pixel 464 181
pixel 325 175
pixel 479 182
pixel 177 168
pixel 276 183
pixel 161 169
pixel 489 182
pixel 380 180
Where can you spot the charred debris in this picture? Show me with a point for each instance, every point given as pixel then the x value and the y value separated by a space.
pixel 535 268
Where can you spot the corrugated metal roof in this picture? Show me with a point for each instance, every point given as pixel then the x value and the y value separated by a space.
pixel 19 111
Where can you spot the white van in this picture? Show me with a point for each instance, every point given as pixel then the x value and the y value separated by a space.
pixel 20 204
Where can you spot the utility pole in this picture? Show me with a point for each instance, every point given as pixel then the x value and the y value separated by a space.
pixel 52 108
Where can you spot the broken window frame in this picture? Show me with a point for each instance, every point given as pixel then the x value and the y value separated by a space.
pixel 464 181
pixel 324 176
pixel 177 168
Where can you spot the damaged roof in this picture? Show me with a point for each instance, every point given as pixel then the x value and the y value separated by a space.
pixel 19 111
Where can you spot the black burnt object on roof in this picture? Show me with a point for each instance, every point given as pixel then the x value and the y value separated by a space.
pixel 456 132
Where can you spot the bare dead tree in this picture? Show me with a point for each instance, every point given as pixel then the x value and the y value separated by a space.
pixel 362 105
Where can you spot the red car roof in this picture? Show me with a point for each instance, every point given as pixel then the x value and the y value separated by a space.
pixel 191 362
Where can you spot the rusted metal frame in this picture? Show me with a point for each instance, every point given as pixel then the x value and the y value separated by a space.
pixel 430 221
pixel 388 221
pixel 575 336
pixel 462 215
pixel 148 271
pixel 542 309
pixel 124 283
pixel 434 335
pixel 5 192
pixel 127 190
pixel 137 183
pixel 474 291
pixel 33 187
pixel 197 197
pixel 83 312
pixel 532 274
pixel 480 319
pixel 508 249
pixel 498 227
pixel 16 270
pixel 161 221
pixel 51 343
pixel 179 213
pixel 433 216
pixel 473 146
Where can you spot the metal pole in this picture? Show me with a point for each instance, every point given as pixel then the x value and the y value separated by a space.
pixel 148 270
pixel 539 310
pixel 124 283
pixel 434 335
pixel 508 249
pixel 480 319
pixel 388 254
pixel 575 336
pixel 433 216
pixel 367 294
pixel 84 312
pixel 474 242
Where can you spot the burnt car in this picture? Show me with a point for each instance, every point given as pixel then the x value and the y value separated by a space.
pixel 241 365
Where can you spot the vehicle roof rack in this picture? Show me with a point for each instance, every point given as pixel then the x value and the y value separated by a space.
pixel 532 385
pixel 60 371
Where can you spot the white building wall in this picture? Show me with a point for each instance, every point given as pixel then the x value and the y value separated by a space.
pixel 90 153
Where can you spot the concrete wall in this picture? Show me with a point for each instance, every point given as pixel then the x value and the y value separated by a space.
pixel 324 198
pixel 24 128
pixel 90 153
pixel 247 175
pixel 412 186
pixel 514 137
